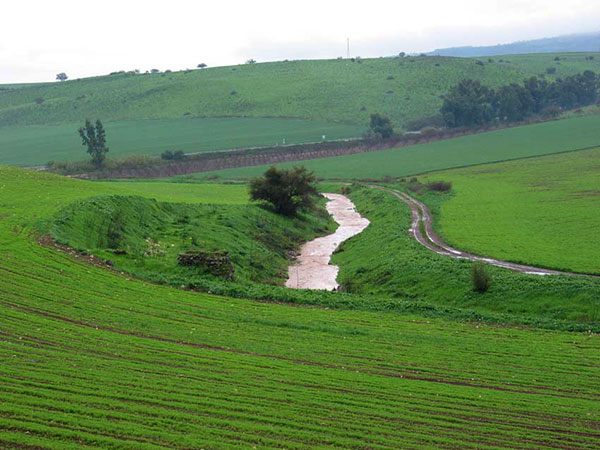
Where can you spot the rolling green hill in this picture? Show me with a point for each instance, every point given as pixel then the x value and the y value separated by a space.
pixel 330 90
pixel 94 358
pixel 150 113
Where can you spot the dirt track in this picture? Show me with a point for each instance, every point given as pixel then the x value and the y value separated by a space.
pixel 422 230
pixel 313 270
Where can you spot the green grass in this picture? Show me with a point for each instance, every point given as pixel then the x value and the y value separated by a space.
pixel 513 143
pixel 408 270
pixel 330 90
pixel 221 194
pixel 144 237
pixel 38 144
pixel 92 358
pixel 542 211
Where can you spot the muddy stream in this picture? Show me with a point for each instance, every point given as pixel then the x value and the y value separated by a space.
pixel 312 269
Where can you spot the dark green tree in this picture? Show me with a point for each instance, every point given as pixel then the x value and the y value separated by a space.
pixel 61 76
pixel 469 103
pixel 286 190
pixel 94 138
pixel 514 102
pixel 538 90
pixel 381 126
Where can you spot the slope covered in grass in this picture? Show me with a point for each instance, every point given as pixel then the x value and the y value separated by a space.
pixel 38 144
pixel 92 358
pixel 543 211
pixel 144 237
pixel 512 143
pixel 330 90
pixel 408 270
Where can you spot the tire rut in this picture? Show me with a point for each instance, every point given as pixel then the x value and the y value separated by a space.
pixel 422 231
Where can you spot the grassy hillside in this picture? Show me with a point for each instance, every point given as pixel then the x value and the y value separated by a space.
pixel 330 90
pixel 542 211
pixel 144 237
pixel 513 143
pixel 407 270
pixel 151 113
pixel 97 359
pixel 38 144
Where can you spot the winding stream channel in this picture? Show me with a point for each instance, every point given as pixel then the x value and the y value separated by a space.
pixel 312 269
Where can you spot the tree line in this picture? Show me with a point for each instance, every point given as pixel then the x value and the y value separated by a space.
pixel 471 103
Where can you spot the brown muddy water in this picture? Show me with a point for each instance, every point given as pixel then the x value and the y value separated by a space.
pixel 312 269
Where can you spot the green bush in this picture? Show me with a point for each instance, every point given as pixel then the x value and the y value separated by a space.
pixel 481 279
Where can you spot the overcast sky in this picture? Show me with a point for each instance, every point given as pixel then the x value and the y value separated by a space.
pixel 82 38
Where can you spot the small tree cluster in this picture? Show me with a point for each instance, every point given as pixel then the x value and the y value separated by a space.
pixel 286 190
pixel 61 76
pixel 381 126
pixel 94 138
pixel 470 103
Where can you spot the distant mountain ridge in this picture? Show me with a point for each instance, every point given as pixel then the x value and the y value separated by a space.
pixel 585 42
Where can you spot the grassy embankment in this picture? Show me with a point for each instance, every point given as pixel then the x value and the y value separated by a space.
pixel 143 237
pixel 334 97
pixel 408 270
pixel 93 358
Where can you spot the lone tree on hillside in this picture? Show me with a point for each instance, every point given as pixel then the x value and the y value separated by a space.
pixel 94 138
pixel 381 126
pixel 251 61
pixel 201 66
pixel 61 76
pixel 286 190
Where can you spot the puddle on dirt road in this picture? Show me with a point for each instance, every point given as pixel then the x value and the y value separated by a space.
pixel 312 269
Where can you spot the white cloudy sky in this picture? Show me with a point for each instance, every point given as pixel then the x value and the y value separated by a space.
pixel 39 38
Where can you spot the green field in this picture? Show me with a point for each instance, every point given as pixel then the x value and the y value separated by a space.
pixel 98 359
pixel 329 90
pixel 512 143
pixel 38 144
pixel 542 211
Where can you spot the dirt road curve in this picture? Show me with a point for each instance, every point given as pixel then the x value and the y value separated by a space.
pixel 422 231
pixel 312 269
